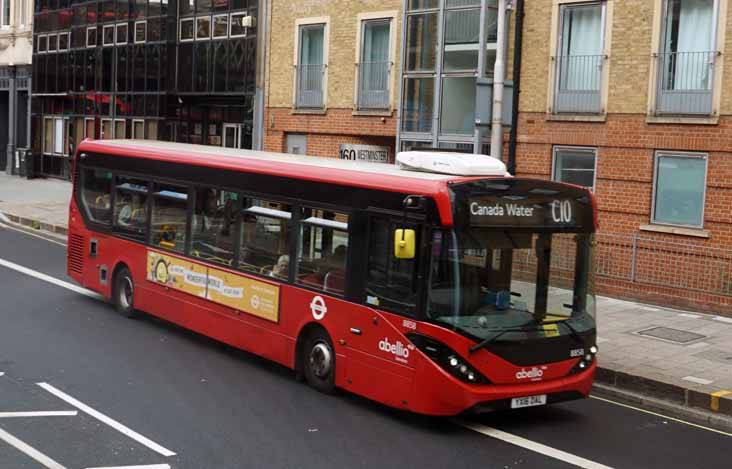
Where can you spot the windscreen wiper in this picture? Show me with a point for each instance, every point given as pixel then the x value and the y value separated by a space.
pixel 572 331
pixel 493 337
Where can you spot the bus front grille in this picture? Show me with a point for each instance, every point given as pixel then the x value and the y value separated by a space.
pixel 76 253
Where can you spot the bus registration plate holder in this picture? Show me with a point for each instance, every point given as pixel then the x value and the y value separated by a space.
pixel 528 401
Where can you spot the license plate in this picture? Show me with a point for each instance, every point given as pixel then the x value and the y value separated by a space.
pixel 528 401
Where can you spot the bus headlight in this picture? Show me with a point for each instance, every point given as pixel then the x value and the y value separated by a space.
pixel 447 359
pixel 585 362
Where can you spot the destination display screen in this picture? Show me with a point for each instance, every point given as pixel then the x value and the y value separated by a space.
pixel 522 203
pixel 491 211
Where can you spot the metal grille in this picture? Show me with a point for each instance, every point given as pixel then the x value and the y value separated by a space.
pixel 309 85
pixel 579 83
pixel 685 82
pixel 76 253
pixel 687 266
pixel 373 90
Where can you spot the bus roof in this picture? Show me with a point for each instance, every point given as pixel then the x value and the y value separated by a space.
pixel 386 177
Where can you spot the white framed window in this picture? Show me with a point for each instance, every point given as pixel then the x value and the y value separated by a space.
pixel 91 36
pixel 220 29
pixel 48 135
pixel 5 13
pixel 374 59
pixel 120 129
pixel 121 30
pixel 138 129
pixel 108 35
pixel 237 24
pixel 203 27
pixel 42 43
pixel 89 127
pixel 58 135
pixel 63 41
pixel 310 64
pixel 679 188
pixel 186 31
pixel 140 32
pixel 107 129
pixel 575 165
pixel 52 42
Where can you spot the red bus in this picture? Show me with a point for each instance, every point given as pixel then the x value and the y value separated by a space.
pixel 434 293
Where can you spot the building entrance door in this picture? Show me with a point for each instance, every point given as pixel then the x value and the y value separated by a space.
pixel 232 136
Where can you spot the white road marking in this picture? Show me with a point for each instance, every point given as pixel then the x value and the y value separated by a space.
pixel 149 466
pixel 689 315
pixel 6 223
pixel 665 417
pixel 648 308
pixel 699 345
pixel 109 421
pixel 2 373
pixel 601 340
pixel 696 380
pixel 52 413
pixel 29 450
pixel 49 279
pixel 723 319
pixel 534 446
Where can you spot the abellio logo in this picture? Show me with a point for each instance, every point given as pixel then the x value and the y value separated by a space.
pixel 533 374
pixel 399 350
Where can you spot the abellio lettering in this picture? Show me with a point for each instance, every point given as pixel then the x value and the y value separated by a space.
pixel 397 349
pixel 534 373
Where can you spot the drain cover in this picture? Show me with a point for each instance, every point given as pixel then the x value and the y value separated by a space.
pixel 672 335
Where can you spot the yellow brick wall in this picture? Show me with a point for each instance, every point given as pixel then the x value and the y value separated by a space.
pixel 630 57
pixel 342 46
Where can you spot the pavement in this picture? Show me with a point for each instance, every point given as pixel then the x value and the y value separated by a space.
pixel 673 361
pixel 83 387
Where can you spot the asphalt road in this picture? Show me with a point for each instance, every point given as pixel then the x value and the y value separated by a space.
pixel 215 407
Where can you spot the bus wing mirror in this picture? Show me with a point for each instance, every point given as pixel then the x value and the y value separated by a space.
pixel 404 244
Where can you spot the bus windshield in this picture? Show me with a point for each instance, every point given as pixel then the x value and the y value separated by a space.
pixel 485 279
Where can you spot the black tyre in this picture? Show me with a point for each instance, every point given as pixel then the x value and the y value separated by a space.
pixel 319 361
pixel 123 294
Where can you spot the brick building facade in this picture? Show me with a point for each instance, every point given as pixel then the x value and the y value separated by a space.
pixel 634 98
pixel 331 78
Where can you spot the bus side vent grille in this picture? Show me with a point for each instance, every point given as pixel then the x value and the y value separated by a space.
pixel 76 253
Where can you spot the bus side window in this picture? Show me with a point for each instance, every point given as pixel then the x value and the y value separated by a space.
pixel 96 190
pixel 265 238
pixel 323 250
pixel 130 207
pixel 169 217
pixel 213 228
pixel 390 282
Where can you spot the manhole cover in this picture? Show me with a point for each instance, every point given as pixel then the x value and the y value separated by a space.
pixel 672 335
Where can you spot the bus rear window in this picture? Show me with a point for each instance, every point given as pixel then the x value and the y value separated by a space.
pixel 323 250
pixel 96 189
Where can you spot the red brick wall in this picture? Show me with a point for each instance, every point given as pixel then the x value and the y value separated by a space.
pixel 625 150
pixel 325 132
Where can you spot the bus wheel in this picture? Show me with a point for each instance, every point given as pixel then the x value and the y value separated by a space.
pixel 319 362
pixel 124 293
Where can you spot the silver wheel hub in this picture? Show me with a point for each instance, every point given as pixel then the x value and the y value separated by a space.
pixel 321 360
pixel 126 293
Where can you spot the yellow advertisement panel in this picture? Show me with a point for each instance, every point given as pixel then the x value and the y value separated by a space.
pixel 177 273
pixel 244 294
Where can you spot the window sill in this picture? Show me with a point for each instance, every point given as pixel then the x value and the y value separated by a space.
pixel 702 120
pixel 377 113
pixel 318 112
pixel 677 230
pixel 577 117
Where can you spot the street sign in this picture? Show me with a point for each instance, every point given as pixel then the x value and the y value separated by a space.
pixel 365 153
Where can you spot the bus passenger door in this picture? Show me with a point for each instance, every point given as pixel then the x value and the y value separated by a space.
pixel 381 360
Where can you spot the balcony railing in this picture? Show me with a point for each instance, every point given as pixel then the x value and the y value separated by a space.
pixel 309 85
pixel 579 78
pixel 685 83
pixel 373 79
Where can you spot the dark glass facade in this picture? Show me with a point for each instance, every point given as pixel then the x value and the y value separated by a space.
pixel 182 70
